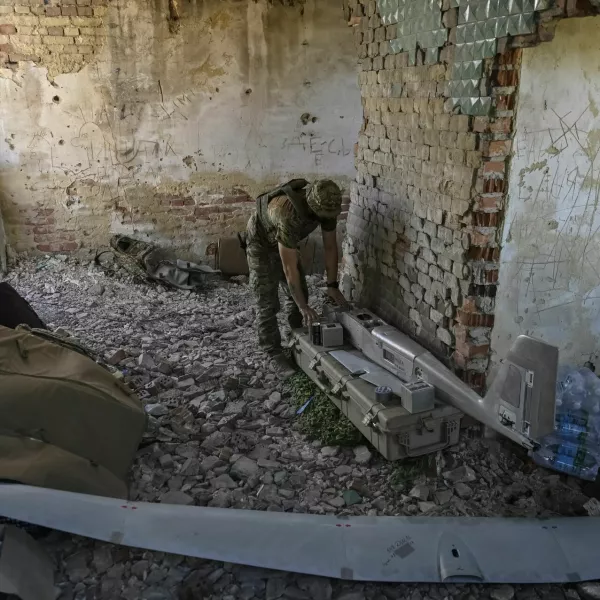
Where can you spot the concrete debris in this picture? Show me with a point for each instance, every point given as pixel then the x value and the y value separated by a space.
pixel 156 410
pixel 116 357
pixel 592 507
pixel 146 361
pixel 463 474
pixel 362 455
pixel 223 433
pixel 589 590
pixel 503 592
pixel 463 490
pixel 421 492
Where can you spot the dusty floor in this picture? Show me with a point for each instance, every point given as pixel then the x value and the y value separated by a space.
pixel 223 433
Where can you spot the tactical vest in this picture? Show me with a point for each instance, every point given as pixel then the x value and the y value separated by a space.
pixel 292 189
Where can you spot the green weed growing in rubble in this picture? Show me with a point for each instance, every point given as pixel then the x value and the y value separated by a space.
pixel 322 420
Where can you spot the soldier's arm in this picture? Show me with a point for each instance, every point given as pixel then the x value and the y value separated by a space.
pixel 289 259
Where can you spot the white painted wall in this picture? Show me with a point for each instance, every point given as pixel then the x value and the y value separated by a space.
pixel 550 262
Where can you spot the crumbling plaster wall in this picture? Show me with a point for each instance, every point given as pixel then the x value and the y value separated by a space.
pixel 114 120
pixel 550 263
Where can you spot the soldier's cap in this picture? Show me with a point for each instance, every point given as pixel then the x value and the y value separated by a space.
pixel 325 198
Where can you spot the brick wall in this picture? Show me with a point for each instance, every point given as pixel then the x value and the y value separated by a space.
pixel 58 34
pixel 422 247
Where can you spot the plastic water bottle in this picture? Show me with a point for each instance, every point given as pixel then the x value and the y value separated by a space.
pixel 574 447
pixel 569 458
pixel 578 426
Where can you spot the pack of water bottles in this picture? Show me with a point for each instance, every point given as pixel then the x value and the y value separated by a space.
pixel 574 447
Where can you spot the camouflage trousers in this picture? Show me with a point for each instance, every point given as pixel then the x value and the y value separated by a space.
pixel 266 275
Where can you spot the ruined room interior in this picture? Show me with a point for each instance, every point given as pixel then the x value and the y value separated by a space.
pixel 463 136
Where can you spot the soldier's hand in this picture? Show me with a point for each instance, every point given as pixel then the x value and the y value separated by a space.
pixel 309 316
pixel 337 297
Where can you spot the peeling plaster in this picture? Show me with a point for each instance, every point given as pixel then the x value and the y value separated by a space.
pixel 550 263
pixel 205 115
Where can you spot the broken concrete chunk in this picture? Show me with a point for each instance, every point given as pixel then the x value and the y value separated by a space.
pixel 362 455
pixel 235 408
pixel 462 474
pixel 176 498
pixel 592 507
pixel 216 440
pixel 329 450
pixel 210 463
pixel 443 496
pixel 251 394
pixel 463 490
pixel 425 507
pixel 116 357
pixel 156 410
pixel 224 481
pixel 186 383
pixel 275 431
pixel 343 470
pixel 243 468
pixel 273 400
pixel 337 502
pixel 146 361
pixel 503 592
pixel 421 492
pixel 265 463
pixel 96 290
pixel 589 590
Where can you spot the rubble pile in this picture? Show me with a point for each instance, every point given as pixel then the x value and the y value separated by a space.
pixel 223 432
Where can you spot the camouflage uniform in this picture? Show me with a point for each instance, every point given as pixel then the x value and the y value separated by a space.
pixel 281 224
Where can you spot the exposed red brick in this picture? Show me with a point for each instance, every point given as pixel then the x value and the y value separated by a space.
pixel 490 203
pixel 481 124
pixel 44 212
pixel 7 29
pixel 493 186
pixel 473 319
pixel 494 168
pixel 474 380
pixel 491 276
pixel 481 253
pixel 499 148
pixel 501 125
pixel 506 78
pixel 505 102
pixel 68 246
pixel 237 199
pixel 510 57
pixel 479 238
pixel 68 11
pixel 177 202
pixel 470 350
pixel 482 219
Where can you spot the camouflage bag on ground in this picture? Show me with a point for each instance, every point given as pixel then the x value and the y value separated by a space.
pixel 149 263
